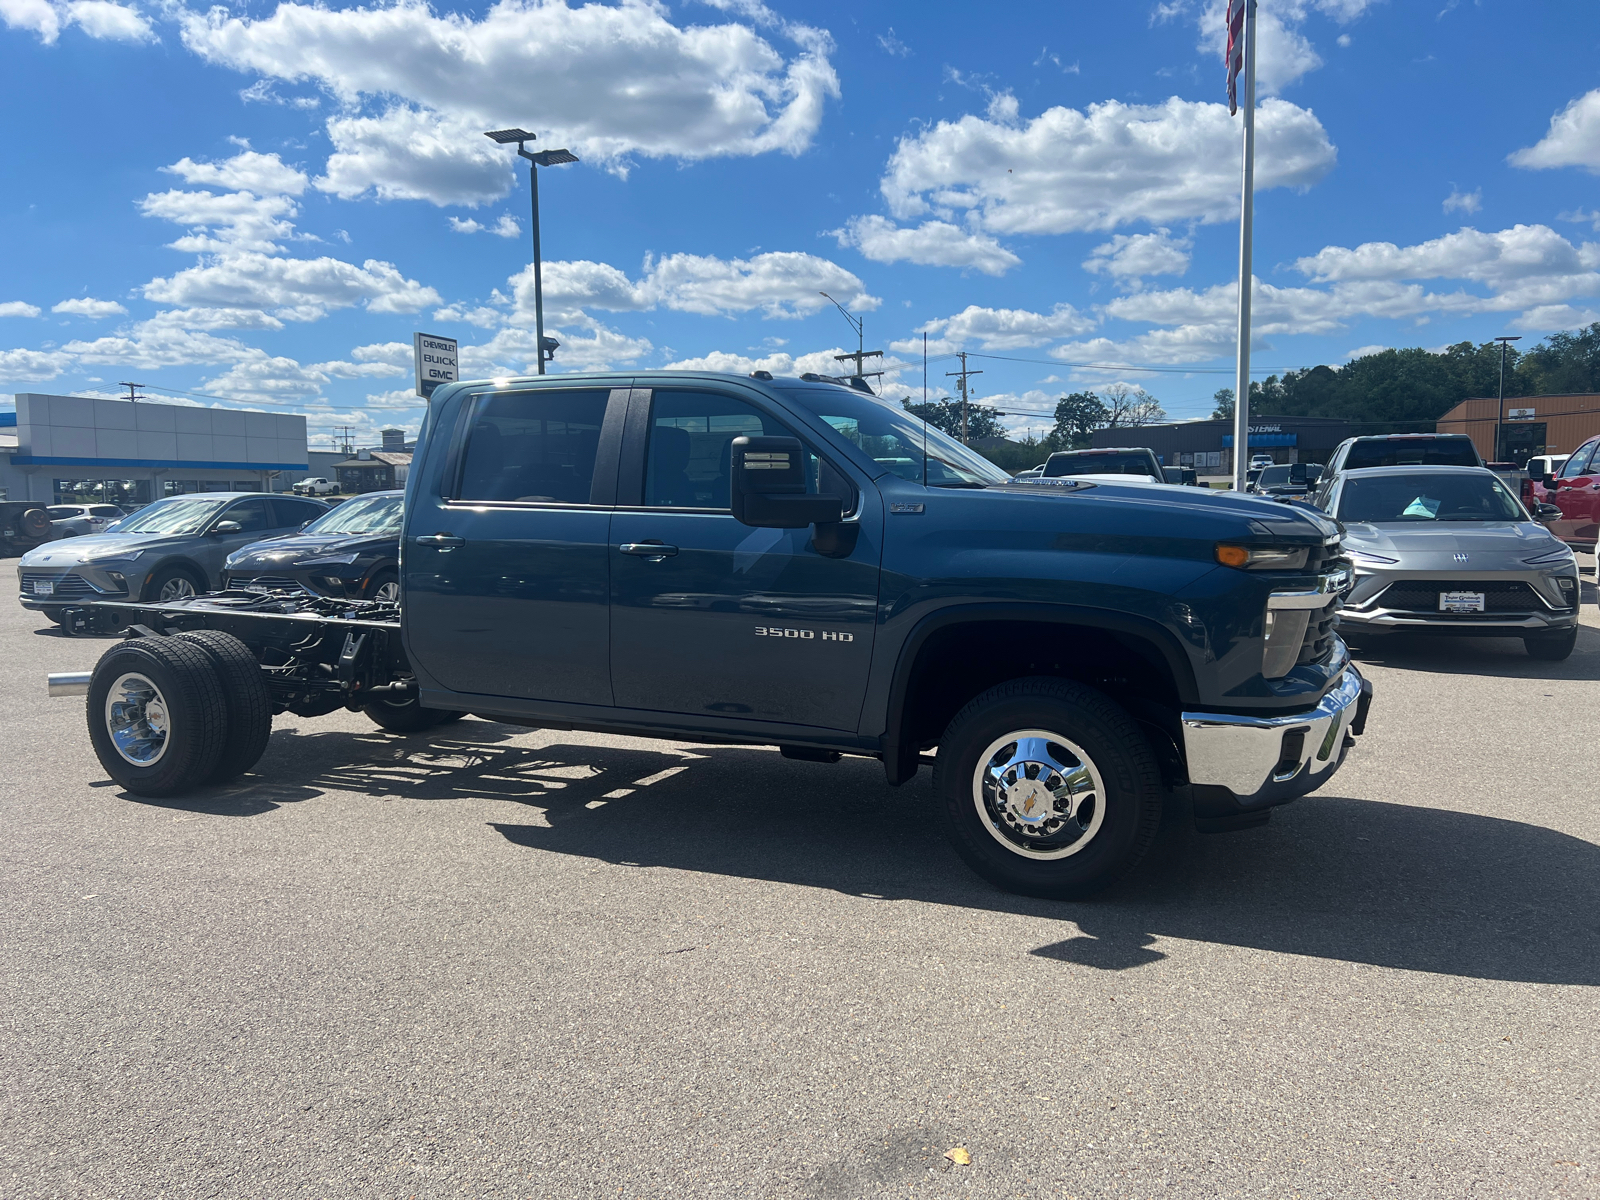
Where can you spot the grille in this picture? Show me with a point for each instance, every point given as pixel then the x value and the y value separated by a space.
pixel 1318 642
pixel 68 587
pixel 1422 595
pixel 265 583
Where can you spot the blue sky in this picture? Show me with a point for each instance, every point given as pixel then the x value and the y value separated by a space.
pixel 263 202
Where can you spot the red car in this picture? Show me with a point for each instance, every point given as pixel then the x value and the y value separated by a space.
pixel 1575 490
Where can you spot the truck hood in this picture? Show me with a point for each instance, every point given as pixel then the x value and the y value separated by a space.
pixel 1219 514
pixel 298 547
pixel 1488 545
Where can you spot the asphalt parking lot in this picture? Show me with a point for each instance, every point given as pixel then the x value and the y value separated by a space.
pixel 495 962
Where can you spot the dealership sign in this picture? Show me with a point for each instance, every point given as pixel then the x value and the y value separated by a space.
pixel 436 362
pixel 1521 414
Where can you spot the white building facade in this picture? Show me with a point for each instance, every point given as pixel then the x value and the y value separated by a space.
pixel 69 448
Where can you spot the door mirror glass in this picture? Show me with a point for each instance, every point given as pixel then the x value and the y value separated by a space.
pixel 1297 474
pixel 767 486
pixel 226 527
pixel 1546 512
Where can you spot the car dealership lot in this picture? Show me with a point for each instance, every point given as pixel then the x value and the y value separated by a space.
pixel 490 961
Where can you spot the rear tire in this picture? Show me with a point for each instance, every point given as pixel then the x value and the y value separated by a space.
pixel 249 707
pixel 1047 788
pixel 1552 647
pixel 156 715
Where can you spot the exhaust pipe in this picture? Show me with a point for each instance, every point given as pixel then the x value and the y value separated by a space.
pixel 69 683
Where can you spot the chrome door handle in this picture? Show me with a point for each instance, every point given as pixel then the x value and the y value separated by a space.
pixel 444 541
pixel 657 550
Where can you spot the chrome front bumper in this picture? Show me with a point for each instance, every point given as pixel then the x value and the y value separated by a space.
pixel 1264 761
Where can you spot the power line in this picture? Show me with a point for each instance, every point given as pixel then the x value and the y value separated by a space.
pixel 1057 362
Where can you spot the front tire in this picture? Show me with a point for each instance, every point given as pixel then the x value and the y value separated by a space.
pixel 1552 647
pixel 173 583
pixel 1047 788
pixel 409 717
pixel 156 715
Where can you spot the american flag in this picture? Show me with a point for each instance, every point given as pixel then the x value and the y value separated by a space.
pixel 1235 51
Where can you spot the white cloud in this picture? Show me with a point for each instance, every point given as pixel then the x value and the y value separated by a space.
pixel 507 226
pixel 1066 171
pixel 233 220
pixel 1284 53
pixel 778 284
pixel 396 354
pixel 1467 202
pixel 154 344
pixel 1127 258
pixel 83 306
pixel 609 80
pixel 1498 259
pixel 263 174
pixel 998 329
pixel 18 308
pixel 1363 351
pixel 1581 216
pixel 40 17
pixel 484 318
pixel 933 243
pixel 32 366
pixel 296 289
pixel 267 379
pixel 893 45
pixel 584 347
pixel 1573 139
pixel 113 22
pixel 1547 318
pixel 213 318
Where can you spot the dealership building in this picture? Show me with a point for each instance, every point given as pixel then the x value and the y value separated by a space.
pixel 61 449
pixel 1207 446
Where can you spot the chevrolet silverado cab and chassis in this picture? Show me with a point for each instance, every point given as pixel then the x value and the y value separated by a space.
pixel 719 559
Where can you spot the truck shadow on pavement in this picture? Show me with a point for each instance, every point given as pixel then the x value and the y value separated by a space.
pixel 1334 877
pixel 1503 657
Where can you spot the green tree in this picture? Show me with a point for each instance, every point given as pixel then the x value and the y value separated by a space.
pixel 945 416
pixel 1130 407
pixel 1077 416
pixel 1222 410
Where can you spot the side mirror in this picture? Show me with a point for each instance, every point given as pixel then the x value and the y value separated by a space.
pixel 767 486
pixel 1546 512
pixel 1297 474
pixel 226 527
pixel 1536 471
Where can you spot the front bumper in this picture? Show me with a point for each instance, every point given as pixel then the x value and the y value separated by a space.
pixel 78 585
pixel 1245 764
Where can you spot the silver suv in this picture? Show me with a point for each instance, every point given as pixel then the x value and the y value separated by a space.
pixel 165 551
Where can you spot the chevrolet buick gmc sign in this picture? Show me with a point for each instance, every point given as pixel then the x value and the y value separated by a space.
pixel 436 362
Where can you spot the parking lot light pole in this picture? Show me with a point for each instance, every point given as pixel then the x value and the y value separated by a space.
pixel 1500 418
pixel 545 158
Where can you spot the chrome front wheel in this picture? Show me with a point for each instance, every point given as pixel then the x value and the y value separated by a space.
pixel 388 593
pixel 138 720
pixel 179 587
pixel 1038 794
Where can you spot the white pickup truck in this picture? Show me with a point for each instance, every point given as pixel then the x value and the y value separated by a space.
pixel 315 487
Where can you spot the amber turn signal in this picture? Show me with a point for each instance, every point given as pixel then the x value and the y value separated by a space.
pixel 1233 556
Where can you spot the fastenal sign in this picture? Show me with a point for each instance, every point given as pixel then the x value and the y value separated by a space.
pixel 436 362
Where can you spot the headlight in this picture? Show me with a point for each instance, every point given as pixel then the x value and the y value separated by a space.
pixel 108 556
pixel 1263 558
pixel 1361 556
pixel 332 560
pixel 1551 558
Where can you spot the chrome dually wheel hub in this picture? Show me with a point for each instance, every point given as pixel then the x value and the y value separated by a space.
pixel 137 720
pixel 1038 794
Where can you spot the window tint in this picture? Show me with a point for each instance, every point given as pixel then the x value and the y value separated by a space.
pixel 896 440
pixel 1578 464
pixel 294 513
pixel 1449 451
pixel 252 516
pixel 63 511
pixel 533 446
pixel 105 510
pixel 1136 463
pixel 1445 497
pixel 691 437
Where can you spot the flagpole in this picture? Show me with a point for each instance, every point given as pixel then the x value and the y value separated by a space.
pixel 1241 390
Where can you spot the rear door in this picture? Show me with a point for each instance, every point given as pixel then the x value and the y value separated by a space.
pixel 727 620
pixel 506 586
pixel 1576 492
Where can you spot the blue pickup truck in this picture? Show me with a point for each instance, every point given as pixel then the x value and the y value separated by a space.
pixel 793 562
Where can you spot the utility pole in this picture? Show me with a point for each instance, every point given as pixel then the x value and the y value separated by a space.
pixel 1501 416
pixel 963 373
pixel 861 353
pixel 133 396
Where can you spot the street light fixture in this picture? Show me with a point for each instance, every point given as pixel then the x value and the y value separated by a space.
pixel 545 158
pixel 1501 416
pixel 858 324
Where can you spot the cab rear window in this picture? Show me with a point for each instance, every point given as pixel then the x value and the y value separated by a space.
pixel 1409 452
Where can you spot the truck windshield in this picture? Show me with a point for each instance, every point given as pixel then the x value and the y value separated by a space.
pixel 370 514
pixel 1137 463
pixel 1412 498
pixel 171 517
pixel 895 439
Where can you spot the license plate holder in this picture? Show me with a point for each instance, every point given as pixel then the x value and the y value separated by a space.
pixel 44 587
pixel 1461 602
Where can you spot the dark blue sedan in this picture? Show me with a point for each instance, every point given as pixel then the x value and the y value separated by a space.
pixel 352 553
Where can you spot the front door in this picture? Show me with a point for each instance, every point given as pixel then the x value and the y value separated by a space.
pixel 506 574
pixel 711 617
pixel 256 520
pixel 1576 492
